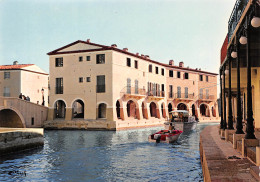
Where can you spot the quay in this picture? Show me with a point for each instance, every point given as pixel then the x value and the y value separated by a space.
pixel 221 162
pixel 16 139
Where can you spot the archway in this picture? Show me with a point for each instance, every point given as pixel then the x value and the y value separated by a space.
pixel 10 119
pixel 153 109
pixel 59 109
pixel 102 108
pixel 203 109
pixel 118 109
pixel 78 109
pixel 131 109
pixel 169 107
pixel 181 106
pixel 193 110
pixel 213 111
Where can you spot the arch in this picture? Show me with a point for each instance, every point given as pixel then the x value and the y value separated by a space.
pixel 59 109
pixel 11 117
pixel 102 109
pixel 153 108
pixel 118 109
pixel 203 110
pixel 78 109
pixel 169 107
pixel 182 106
pixel 213 110
pixel 163 110
pixel 131 109
pixel 61 100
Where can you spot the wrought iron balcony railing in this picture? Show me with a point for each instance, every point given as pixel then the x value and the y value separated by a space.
pixel 132 91
pixel 206 97
pixel 101 88
pixel 155 93
pixel 235 16
pixel 170 95
pixel 184 96
pixel 59 90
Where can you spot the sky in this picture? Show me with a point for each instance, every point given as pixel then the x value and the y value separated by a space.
pixel 191 31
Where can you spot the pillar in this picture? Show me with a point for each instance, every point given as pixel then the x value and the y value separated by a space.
pixel 221 100
pixel 224 98
pixel 230 117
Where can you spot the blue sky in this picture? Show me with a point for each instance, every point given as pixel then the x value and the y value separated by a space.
pixel 183 30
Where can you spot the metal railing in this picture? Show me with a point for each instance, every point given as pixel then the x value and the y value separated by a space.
pixel 235 16
pixel 206 97
pixel 184 96
pixel 59 90
pixel 170 94
pixel 132 90
pixel 156 93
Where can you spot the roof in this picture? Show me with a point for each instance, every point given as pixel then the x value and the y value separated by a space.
pixel 14 67
pixel 103 48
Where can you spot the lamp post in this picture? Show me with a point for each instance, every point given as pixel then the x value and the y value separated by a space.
pixel 43 102
pixel 230 118
pixel 221 99
pixel 224 95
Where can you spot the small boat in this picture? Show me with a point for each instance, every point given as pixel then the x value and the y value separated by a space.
pixel 181 120
pixel 165 136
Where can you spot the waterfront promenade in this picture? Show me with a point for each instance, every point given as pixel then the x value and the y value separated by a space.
pixel 220 161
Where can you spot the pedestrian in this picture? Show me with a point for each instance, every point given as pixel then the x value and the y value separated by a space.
pixel 20 96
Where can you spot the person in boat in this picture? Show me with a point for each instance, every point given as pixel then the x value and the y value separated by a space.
pixel 171 127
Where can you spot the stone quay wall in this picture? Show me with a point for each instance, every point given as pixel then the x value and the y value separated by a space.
pixel 16 139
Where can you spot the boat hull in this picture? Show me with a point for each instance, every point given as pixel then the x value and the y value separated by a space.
pixel 168 139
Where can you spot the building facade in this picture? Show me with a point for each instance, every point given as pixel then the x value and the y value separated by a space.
pixel 27 79
pixel 107 87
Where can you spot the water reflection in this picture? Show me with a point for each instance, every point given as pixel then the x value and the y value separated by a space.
pixel 107 156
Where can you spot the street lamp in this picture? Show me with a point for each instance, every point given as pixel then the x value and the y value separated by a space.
pixel 43 97
pixel 255 22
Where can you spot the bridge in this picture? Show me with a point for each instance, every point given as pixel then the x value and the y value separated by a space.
pixel 18 113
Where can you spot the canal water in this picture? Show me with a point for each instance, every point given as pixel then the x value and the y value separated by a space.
pixel 106 156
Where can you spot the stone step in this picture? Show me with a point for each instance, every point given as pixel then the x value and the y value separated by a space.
pixel 255 171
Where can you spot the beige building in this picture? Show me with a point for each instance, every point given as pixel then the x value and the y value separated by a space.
pixel 27 79
pixel 97 86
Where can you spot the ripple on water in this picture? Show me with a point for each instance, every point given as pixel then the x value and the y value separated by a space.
pixel 106 156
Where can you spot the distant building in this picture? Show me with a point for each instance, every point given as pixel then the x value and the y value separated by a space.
pixel 111 88
pixel 28 79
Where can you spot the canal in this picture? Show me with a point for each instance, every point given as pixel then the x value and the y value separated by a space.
pixel 106 156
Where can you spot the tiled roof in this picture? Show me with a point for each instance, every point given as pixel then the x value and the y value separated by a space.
pixel 103 48
pixel 14 67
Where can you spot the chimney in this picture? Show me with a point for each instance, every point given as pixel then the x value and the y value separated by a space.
pixel 15 63
pixel 181 64
pixel 137 54
pixel 125 49
pixel 171 62
pixel 88 40
pixel 142 55
pixel 147 57
pixel 114 45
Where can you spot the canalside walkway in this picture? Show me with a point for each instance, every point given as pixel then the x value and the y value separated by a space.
pixel 220 161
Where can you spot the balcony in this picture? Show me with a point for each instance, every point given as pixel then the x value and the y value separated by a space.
pixel 184 96
pixel 155 95
pixel 235 16
pixel 206 97
pixel 133 92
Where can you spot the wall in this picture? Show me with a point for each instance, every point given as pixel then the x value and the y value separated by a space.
pixel 14 82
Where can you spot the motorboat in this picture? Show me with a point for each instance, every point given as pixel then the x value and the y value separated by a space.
pixel 165 136
pixel 181 120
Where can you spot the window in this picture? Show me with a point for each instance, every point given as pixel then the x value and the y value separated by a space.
pixel 186 75
pixel 80 59
pixel 88 58
pixel 128 62
pixel 88 79
pixel 80 79
pixel 101 84
pixel 162 72
pixel 178 92
pixel 150 68
pixel 156 70
pixel 207 93
pixel 136 86
pixel 170 93
pixel 59 62
pixel 186 92
pixel 170 73
pixel 100 58
pixel 178 74
pixel 59 85
pixel 201 77
pixel 136 64
pixel 201 93
pixel 207 78
pixel 6 92
pixel 6 75
pixel 128 89
pixel 32 121
pixel 162 90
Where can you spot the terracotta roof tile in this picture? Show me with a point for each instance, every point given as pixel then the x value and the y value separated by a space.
pixel 14 67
